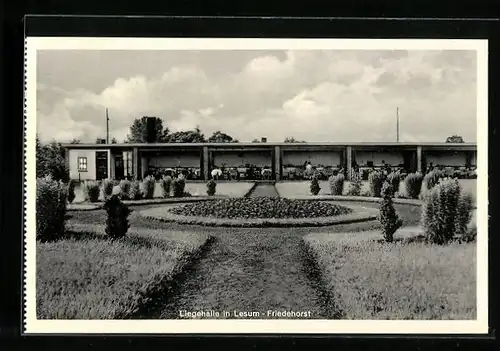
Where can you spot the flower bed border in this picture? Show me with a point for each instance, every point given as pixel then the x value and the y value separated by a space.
pixel 360 214
pixel 396 200
pixel 170 200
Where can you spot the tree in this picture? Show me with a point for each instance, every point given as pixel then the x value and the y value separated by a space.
pixel 219 137
pixel 255 141
pixel 75 141
pixel 138 131
pixel 292 140
pixel 50 160
pixel 186 136
pixel 455 139
pixel 114 141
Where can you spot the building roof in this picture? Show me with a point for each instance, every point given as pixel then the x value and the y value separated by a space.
pixel 312 145
pixel 270 144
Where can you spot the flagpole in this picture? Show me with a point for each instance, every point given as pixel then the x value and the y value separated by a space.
pixel 107 127
pixel 397 124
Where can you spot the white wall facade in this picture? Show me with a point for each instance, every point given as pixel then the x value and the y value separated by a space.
pixel 237 159
pixel 446 158
pixel 316 158
pixel 74 154
pixel 390 158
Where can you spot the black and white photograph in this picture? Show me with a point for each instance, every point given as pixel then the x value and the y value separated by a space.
pixel 184 185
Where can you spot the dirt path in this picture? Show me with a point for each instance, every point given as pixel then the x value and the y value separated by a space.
pixel 250 270
pixel 264 190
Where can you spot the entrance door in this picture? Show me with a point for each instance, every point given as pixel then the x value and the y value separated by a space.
pixel 119 167
pixel 101 161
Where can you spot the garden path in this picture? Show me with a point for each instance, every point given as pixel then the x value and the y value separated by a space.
pixel 264 190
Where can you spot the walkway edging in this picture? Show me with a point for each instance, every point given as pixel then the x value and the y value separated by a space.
pixel 360 214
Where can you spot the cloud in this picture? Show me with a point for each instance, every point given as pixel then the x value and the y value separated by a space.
pixel 311 95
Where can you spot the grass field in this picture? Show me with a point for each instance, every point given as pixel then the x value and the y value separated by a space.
pixel 372 280
pixel 88 276
pixel 301 188
pixel 238 189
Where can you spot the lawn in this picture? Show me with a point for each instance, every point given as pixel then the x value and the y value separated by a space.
pixel 301 188
pixel 87 276
pixel 372 280
pixel 238 189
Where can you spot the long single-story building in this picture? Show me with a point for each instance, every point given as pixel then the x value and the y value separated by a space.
pixel 252 161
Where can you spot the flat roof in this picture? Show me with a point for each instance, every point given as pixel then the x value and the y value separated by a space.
pixel 259 144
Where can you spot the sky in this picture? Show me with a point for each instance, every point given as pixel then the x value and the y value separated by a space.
pixel 313 95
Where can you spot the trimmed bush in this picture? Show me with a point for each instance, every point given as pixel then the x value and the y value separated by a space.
pixel 355 185
pixel 376 180
pixel 388 217
pixel 336 184
pixel 51 197
pixel 148 187
pixel 314 187
pixel 106 188
pixel 464 213
pixel 91 190
pixel 166 183
pixel 178 186
pixel 117 223
pixel 430 180
pixel 135 192
pixel 439 212
pixel 211 187
pixel 125 186
pixel 394 178
pixel 413 184
pixel 71 191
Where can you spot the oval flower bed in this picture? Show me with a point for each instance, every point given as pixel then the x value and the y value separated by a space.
pixel 261 212
pixel 261 207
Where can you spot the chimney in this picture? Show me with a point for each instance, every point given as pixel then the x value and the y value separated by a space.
pixel 263 140
pixel 150 130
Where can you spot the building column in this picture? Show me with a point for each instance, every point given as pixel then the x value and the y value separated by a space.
pixel 277 163
pixel 349 162
pixel 419 158
pixel 205 161
pixel 135 162
pixel 144 166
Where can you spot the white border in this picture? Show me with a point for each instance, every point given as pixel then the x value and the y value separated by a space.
pixel 479 326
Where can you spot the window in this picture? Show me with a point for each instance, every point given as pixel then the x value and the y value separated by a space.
pixel 82 164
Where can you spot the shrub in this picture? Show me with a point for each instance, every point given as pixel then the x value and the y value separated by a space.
pixel 51 197
pixel 413 184
pixel 376 180
pixel 135 192
pixel 148 187
pixel 336 184
pixel 314 187
pixel 117 190
pixel 394 178
pixel 439 212
pixel 470 234
pixel 388 217
pixel 125 186
pixel 106 188
pixel 71 191
pixel 178 186
pixel 464 213
pixel 355 185
pixel 117 221
pixel 91 190
pixel 211 187
pixel 166 183
pixel 430 180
